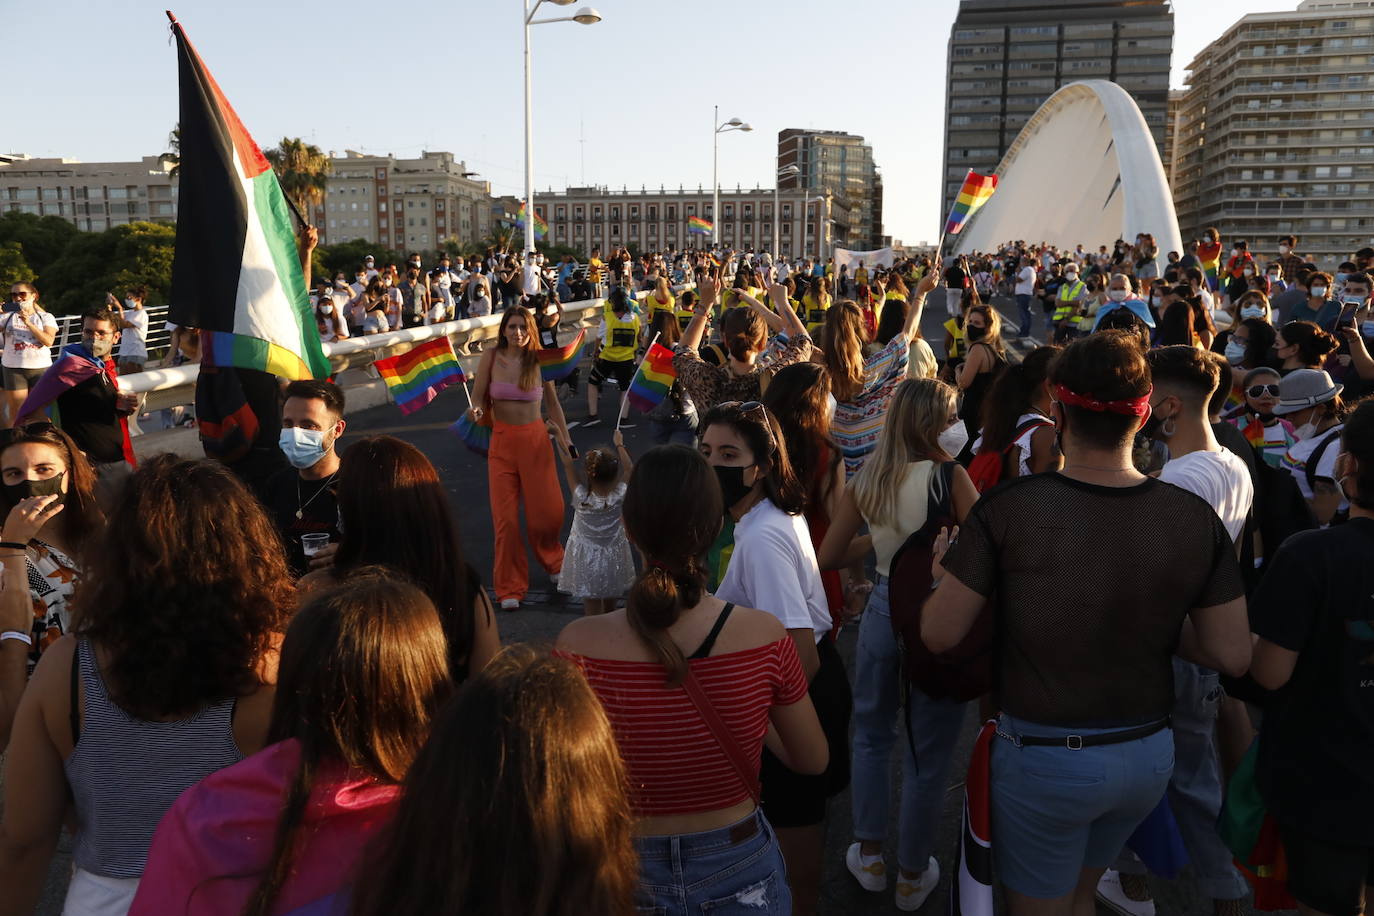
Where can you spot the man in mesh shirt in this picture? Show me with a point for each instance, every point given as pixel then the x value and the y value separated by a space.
pixel 1083 655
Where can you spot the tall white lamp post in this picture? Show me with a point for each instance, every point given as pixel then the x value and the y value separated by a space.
pixel 720 128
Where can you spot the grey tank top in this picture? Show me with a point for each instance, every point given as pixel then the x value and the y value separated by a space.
pixel 126 772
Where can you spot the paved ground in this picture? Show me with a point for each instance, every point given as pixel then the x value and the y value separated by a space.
pixel 546 613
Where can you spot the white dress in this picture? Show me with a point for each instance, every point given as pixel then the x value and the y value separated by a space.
pixel 597 561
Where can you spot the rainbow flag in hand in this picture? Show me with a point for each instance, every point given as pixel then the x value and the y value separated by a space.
pixel 698 225
pixel 653 378
pixel 975 192
pixel 475 435
pixel 415 377
pixel 557 363
pixel 541 228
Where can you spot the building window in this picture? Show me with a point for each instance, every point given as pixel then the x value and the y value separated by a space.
pixel 560 213
pixel 670 212
pixel 615 213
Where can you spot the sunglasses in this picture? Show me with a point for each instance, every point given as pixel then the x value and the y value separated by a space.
pixel 8 436
pixel 1259 391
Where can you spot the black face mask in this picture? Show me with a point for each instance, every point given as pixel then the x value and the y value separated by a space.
pixel 975 333
pixel 14 492
pixel 732 485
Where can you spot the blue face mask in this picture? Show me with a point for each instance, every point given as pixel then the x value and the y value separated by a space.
pixel 303 447
pixel 1253 311
pixel 1235 351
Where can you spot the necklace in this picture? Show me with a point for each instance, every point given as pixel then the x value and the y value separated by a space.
pixel 1093 467
pixel 300 506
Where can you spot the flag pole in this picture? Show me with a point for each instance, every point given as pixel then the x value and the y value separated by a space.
pixel 625 395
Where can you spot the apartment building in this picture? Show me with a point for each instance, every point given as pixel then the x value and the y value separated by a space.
pixel 842 163
pixel 1276 131
pixel 92 195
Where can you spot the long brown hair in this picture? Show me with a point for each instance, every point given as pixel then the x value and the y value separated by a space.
pixel 799 397
pixel 80 519
pixel 760 431
pixel 186 589
pixel 394 512
pixel 670 481
pixel 364 670
pixel 517 804
pixel 742 332
pixel 843 341
pixel 529 353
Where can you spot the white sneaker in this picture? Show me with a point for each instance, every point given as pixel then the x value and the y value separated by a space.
pixel 869 871
pixel 1112 895
pixel 510 604
pixel 912 895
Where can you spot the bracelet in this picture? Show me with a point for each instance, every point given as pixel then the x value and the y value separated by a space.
pixel 14 545
pixel 25 638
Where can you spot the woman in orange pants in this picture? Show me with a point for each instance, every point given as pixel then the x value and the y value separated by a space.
pixel 520 461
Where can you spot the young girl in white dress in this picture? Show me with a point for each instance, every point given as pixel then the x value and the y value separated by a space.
pixel 597 565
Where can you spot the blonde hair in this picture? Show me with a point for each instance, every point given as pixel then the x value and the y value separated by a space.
pixel 919 411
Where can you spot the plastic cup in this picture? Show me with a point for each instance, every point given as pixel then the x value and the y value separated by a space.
pixel 315 542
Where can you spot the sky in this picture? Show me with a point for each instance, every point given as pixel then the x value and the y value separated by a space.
pixel 624 103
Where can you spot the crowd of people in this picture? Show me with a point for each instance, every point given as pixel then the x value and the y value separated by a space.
pixel 276 685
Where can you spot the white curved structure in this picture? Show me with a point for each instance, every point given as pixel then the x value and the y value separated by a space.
pixel 1083 169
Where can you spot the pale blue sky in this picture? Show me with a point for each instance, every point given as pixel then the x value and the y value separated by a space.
pixel 96 80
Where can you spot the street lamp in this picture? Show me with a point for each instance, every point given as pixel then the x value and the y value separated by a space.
pixel 720 128
pixel 787 171
pixel 586 16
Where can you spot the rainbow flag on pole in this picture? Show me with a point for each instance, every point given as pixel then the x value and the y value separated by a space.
pixel 541 228
pixel 653 378
pixel 557 363
pixel 415 377
pixel 975 192
pixel 698 225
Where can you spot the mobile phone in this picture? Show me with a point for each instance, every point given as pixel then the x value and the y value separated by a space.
pixel 572 450
pixel 1347 317
pixel 12 306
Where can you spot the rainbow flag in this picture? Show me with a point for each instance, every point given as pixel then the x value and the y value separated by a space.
pixel 541 228
pixel 415 377
pixel 476 436
pixel 557 363
pixel 653 378
pixel 698 225
pixel 975 192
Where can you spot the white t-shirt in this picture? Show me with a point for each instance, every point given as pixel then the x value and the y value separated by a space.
pixel 1301 451
pixel 774 569
pixel 1025 281
pixel 22 349
pixel 133 341
pixel 531 283
pixel 1220 478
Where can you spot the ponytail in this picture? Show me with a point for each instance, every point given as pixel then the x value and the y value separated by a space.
pixel 656 599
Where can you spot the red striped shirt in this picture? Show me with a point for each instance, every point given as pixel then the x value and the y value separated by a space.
pixel 675 764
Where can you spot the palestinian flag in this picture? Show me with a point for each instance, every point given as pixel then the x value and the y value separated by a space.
pixel 236 274
pixel 971 892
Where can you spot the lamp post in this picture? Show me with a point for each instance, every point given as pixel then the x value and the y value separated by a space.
pixel 720 128
pixel 787 171
pixel 586 16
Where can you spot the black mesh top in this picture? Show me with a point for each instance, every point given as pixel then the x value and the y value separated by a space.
pixel 1090 585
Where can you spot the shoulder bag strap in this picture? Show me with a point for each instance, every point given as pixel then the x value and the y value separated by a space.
pixel 721 733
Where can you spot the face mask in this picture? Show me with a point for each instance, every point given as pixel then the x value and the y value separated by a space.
pixel 1248 272
pixel 1117 295
pixel 1154 299
pixel 414 263
pixel 1252 311
pixel 1306 431
pixel 1340 278
pixel 128 303
pixel 1235 351
pixel 1235 252
pixel 1367 329
pixel 14 492
pixel 732 485
pixel 1319 292
pixel 1151 429
pixel 1071 276
pixel 1274 278
pixel 99 348
pixel 303 447
pixel 973 333
pixel 361 278
pixel 326 310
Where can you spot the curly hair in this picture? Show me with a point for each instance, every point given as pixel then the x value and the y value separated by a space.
pixel 186 589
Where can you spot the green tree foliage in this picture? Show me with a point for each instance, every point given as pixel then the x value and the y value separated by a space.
pixel 13 267
pixel 173 154
pixel 346 256
pixel 42 239
pixel 303 170
pixel 95 263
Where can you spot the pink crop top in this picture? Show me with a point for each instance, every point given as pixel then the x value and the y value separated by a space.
pixel 505 391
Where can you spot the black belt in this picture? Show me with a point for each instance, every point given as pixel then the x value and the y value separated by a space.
pixel 1078 742
pixel 744 830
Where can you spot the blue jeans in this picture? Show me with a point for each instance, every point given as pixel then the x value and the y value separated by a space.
pixel 1057 811
pixel 710 872
pixel 1195 787
pixel 682 431
pixel 934 724
pixel 1023 302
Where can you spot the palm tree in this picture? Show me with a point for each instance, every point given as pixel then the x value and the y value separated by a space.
pixel 173 154
pixel 303 169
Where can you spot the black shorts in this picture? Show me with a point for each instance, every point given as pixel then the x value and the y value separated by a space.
pixel 21 379
pixel 604 369
pixel 796 800
pixel 1328 877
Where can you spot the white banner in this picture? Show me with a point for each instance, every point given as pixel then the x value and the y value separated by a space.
pixel 878 257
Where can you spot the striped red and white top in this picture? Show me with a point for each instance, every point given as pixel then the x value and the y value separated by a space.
pixel 675 764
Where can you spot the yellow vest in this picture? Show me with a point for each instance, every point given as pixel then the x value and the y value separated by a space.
pixel 1068 293
pixel 815 312
pixel 656 306
pixel 861 276
pixel 621 338
pixel 958 346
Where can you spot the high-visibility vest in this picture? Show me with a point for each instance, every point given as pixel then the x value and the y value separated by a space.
pixel 1067 298
pixel 622 335
pixel 815 311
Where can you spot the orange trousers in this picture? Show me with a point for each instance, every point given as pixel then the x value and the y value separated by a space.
pixel 520 463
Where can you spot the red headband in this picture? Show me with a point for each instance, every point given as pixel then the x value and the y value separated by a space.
pixel 1137 407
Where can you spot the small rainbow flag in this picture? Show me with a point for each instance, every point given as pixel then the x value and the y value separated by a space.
pixel 975 192
pixel 653 378
pixel 476 436
pixel 415 377
pixel 541 228
pixel 557 363
pixel 698 225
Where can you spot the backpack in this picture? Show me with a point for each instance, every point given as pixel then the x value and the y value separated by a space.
pixel 989 466
pixel 964 672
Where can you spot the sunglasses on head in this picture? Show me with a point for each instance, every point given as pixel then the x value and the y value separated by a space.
pixel 1259 391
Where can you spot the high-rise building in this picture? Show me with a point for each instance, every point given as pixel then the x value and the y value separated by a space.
pixel 1276 131
pixel 93 195
pixel 841 163
pixel 1006 57
pixel 403 204
pixel 1172 120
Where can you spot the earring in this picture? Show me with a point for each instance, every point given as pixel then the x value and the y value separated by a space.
pixel 1168 427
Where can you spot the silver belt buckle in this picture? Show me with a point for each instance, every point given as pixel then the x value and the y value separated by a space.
pixel 1074 742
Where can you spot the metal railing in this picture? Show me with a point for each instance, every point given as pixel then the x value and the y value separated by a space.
pixel 156 340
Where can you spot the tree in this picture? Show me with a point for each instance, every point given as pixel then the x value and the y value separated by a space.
pixel 95 263
pixel 173 154
pixel 303 170
pixel 13 267
pixel 346 256
pixel 41 238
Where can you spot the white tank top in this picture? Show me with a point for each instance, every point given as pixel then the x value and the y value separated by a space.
pixel 913 496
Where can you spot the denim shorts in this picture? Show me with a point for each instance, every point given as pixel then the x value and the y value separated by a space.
pixel 1057 811
pixel 735 869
